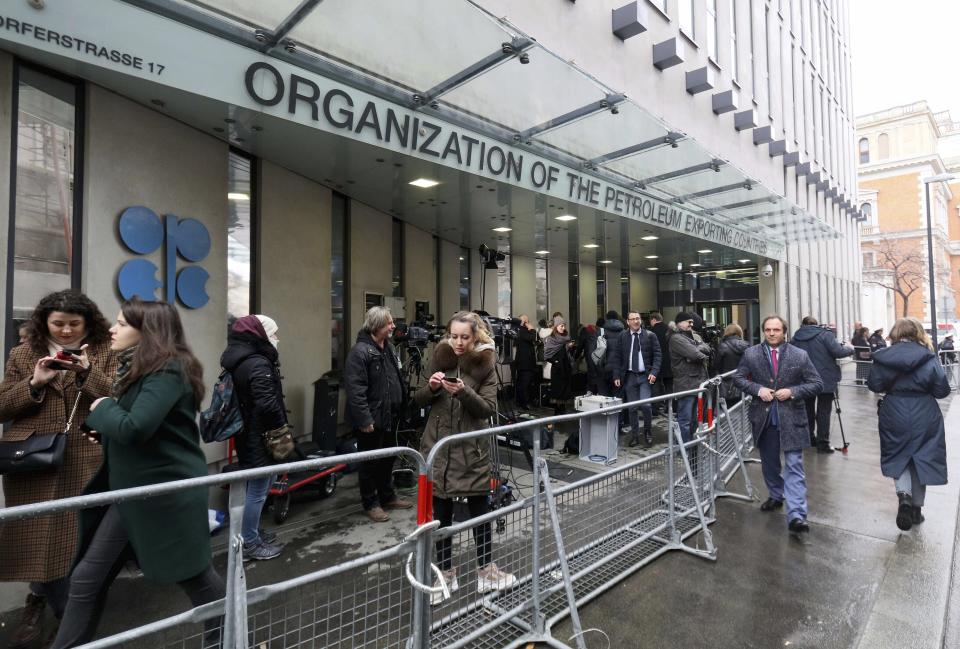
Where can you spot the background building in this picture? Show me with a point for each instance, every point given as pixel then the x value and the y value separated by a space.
pixel 897 148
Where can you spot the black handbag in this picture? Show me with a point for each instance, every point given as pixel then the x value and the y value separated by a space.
pixel 37 452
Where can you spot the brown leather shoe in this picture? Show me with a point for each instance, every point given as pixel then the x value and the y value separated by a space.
pixel 399 503
pixel 377 515
pixel 27 632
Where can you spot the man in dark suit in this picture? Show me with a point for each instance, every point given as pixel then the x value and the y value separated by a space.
pixel 780 377
pixel 635 364
pixel 664 384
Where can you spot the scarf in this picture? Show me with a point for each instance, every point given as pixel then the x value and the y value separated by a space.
pixel 124 363
pixel 552 344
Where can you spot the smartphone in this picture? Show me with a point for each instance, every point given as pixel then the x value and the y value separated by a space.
pixel 91 434
pixel 450 377
pixel 65 355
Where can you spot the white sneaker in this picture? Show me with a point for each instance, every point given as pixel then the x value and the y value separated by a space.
pixel 491 578
pixel 450 577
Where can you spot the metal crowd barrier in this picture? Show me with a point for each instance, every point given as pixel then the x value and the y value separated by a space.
pixel 563 546
pixel 857 377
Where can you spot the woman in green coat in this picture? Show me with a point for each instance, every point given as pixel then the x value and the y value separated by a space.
pixel 149 434
pixel 462 395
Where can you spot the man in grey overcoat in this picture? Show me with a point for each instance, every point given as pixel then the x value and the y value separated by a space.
pixel 780 377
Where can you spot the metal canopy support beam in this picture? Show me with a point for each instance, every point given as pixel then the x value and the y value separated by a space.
pixel 670 138
pixel 713 165
pixel 514 48
pixel 716 190
pixel 752 201
pixel 291 21
pixel 608 103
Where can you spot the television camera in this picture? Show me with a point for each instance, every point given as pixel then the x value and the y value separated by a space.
pixel 419 333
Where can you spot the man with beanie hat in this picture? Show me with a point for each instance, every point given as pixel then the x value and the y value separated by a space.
pixel 688 359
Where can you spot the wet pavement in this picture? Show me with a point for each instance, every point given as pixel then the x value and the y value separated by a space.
pixel 858 582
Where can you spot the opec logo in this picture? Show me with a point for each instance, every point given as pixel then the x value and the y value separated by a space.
pixel 143 232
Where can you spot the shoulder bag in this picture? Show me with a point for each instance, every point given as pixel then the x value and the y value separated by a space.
pixel 37 452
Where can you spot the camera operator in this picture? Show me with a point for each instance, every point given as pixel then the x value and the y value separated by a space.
pixel 823 349
pixel 525 362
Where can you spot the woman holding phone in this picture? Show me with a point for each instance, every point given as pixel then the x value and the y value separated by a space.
pixel 149 434
pixel 62 367
pixel 462 395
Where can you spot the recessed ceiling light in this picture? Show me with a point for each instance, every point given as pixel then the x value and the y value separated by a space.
pixel 238 196
pixel 649 237
pixel 695 265
pixel 624 279
pixel 651 256
pixel 705 251
pixel 502 229
pixel 461 259
pixel 541 252
pixel 652 268
pixel 591 245
pixel 424 183
pixel 606 261
pixel 743 261
pixel 566 217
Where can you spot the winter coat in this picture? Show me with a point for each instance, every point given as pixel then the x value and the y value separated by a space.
pixel 728 355
pixel 688 358
pixel 254 365
pixel 526 356
pixel 911 426
pixel 823 349
pixel 561 372
pixel 586 345
pixel 372 382
pixel 619 361
pixel 462 468
pixel 150 435
pixel 611 332
pixel 42 549
pixel 876 342
pixel 795 370
pixel 661 330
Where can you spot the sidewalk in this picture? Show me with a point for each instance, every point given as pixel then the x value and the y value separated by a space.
pixel 858 583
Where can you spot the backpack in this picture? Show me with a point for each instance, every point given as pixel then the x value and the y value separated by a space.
pixel 600 351
pixel 222 420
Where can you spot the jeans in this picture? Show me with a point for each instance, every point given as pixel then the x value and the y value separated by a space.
pixel 54 591
pixel 636 387
pixel 792 482
pixel 376 476
pixel 443 512
pixel 909 483
pixel 686 410
pixel 256 495
pixel 93 574
pixel 818 414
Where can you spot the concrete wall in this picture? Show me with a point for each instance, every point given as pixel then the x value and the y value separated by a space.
pixel 524 294
pixel 420 269
pixel 558 291
pixel 449 281
pixel 295 281
pixel 136 156
pixel 371 255
pixel 588 292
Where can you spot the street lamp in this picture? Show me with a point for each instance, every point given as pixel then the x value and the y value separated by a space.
pixel 933 289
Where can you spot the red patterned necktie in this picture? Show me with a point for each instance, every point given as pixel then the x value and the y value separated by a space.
pixel 775 366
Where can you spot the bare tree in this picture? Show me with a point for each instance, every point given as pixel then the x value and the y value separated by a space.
pixel 905 266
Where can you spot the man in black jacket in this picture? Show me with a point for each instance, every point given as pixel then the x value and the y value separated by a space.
pixel 525 361
pixel 664 384
pixel 612 328
pixel 823 349
pixel 374 390
pixel 635 363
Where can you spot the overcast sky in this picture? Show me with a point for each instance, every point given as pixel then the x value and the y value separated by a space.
pixel 904 51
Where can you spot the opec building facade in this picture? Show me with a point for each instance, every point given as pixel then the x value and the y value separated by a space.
pixel 305 159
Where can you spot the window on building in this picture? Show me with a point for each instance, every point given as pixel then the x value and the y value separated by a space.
pixel 864 150
pixel 712 47
pixel 660 4
pixel 869 259
pixel 734 52
pixel 601 290
pixel 685 8
pixel 397 280
pixel 573 291
pixel 339 340
pixel 883 146
pixel 769 63
pixel 624 290
pixel 464 279
pixel 241 238
pixel 540 269
pixel 504 295
pixel 752 57
pixel 44 254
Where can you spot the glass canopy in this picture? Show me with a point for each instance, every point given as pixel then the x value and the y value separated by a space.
pixel 453 57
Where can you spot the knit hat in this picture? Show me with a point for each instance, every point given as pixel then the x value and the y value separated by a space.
pixel 270 328
pixel 683 316
pixel 559 321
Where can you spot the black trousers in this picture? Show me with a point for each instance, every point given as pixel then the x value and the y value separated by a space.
pixel 482 536
pixel 523 383
pixel 108 551
pixel 818 417
pixel 376 476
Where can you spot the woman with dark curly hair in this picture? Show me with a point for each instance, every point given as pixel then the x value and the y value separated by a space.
pixel 37 396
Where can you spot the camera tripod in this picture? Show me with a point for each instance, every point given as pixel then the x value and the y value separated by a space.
pixel 836 408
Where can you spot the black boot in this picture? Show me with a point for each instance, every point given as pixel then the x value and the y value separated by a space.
pixel 28 631
pixel 904 511
pixel 917 516
pixel 647 439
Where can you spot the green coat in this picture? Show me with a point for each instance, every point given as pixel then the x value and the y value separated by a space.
pixel 463 468
pixel 150 435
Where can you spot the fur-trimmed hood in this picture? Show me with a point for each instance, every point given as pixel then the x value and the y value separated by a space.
pixel 477 364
